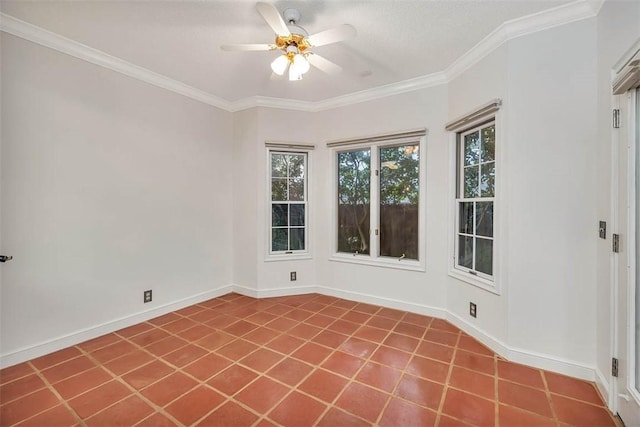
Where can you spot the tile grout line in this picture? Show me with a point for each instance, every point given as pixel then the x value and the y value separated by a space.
pixel 318 367
pixel 50 387
pixel 439 413
pixel 136 392
pixel 496 396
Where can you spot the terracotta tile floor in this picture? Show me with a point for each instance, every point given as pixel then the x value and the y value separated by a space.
pixel 292 361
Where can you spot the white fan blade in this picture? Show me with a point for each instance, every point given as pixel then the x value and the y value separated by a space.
pixel 323 64
pixel 343 32
pixel 273 18
pixel 247 47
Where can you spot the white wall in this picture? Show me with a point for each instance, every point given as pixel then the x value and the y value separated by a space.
pixel 110 186
pixel 552 205
pixel 246 190
pixel 419 291
pixel 254 273
pixel 483 82
pixel 617 30
pixel 286 126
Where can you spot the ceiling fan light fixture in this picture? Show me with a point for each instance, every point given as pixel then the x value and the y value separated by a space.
pixel 300 63
pixel 279 65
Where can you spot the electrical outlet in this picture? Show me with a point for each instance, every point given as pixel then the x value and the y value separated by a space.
pixel 147 296
pixel 293 276
pixel 473 310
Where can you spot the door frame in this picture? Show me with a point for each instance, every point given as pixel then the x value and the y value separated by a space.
pixel 624 397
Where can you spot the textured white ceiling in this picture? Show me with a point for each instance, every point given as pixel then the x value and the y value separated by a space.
pixel 397 40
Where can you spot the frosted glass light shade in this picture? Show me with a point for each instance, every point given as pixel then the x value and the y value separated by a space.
pixel 300 63
pixel 293 73
pixel 279 65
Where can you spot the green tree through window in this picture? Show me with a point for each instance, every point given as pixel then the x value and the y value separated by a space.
pixel 354 186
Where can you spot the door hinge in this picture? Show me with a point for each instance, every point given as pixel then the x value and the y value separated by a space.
pixel 377 172
pixel 615 243
pixel 616 118
pixel 614 367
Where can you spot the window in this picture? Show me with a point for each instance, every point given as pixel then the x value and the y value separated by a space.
pixel 475 198
pixel 380 195
pixel 288 213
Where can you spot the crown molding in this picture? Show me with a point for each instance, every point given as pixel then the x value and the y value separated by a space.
pixel 554 17
pixel 564 14
pixel 49 39
pixel 410 85
pixel 266 101
pixel 404 86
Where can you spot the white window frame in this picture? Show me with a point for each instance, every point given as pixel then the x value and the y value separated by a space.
pixel 286 148
pixel 490 112
pixel 460 198
pixel 373 258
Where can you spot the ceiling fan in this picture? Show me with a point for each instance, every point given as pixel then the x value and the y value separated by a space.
pixel 295 43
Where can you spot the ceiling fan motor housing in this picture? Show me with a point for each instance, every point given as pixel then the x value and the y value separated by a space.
pixel 298 35
pixel 291 16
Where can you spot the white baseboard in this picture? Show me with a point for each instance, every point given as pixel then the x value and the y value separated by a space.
pixel 82 335
pixel 386 302
pixel 604 387
pixel 538 360
pixel 552 363
pixel 274 292
pixel 526 357
pixel 488 340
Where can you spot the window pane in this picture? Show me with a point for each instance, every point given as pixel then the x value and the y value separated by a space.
pixel 471 181
pixel 354 175
pixel 472 148
pixel 279 214
pixel 399 231
pixel 296 216
pixel 465 251
pixel 466 218
pixel 296 166
pixel 278 165
pixel 488 179
pixel 297 239
pixel 488 152
pixel 484 256
pixel 399 193
pixel 399 175
pixel 279 189
pixel 296 189
pixel 279 239
pixel 484 219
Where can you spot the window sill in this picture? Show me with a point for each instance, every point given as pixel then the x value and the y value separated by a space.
pixel 481 283
pixel 404 264
pixel 287 257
